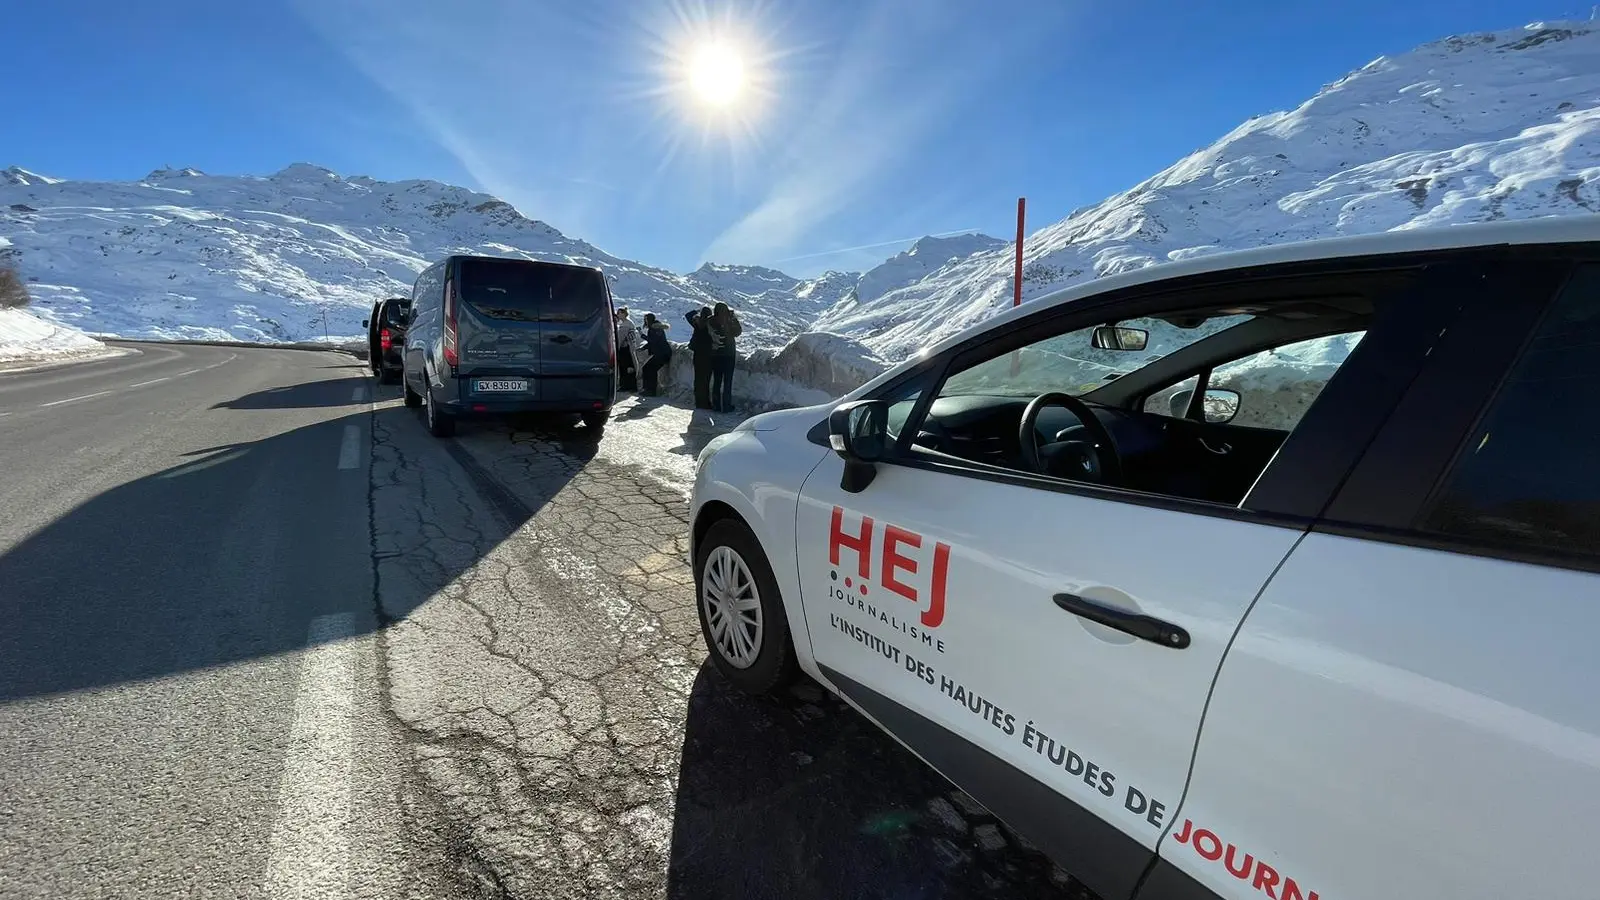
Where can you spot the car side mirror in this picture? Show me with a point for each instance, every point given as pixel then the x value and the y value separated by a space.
pixel 364 323
pixel 1220 405
pixel 859 433
pixel 1116 337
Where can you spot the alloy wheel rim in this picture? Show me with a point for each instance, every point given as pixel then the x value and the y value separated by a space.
pixel 732 607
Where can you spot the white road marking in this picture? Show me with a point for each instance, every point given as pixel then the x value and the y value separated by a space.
pixel 310 851
pixel 357 394
pixel 231 358
pixel 350 447
pixel 74 399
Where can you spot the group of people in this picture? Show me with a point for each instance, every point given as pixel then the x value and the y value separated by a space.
pixel 643 352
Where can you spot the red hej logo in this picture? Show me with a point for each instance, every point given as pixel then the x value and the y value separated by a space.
pixel 894 562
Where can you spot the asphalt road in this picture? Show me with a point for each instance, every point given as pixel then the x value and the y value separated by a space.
pixel 262 636
pixel 189 690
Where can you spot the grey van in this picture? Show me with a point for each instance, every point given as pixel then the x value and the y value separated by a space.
pixel 490 336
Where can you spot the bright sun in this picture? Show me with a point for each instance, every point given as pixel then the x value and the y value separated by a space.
pixel 716 75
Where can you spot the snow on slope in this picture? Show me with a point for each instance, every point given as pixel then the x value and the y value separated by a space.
pixel 1468 129
pixel 182 254
pixel 26 336
pixel 756 291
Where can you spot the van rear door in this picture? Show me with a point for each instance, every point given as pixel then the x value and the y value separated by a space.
pixel 497 323
pixel 576 326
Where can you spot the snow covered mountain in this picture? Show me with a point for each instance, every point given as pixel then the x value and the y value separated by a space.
pixel 761 292
pixel 182 254
pixel 1467 129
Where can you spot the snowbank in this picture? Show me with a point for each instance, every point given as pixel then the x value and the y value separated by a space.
pixel 813 368
pixel 25 336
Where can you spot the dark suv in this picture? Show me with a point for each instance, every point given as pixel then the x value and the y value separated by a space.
pixel 490 336
pixel 386 337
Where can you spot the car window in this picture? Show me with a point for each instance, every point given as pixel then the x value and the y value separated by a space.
pixel 1070 364
pixel 1277 386
pixel 977 413
pixel 1526 475
pixel 519 289
pixel 1172 401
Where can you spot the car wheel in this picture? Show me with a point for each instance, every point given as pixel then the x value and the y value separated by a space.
pixel 440 423
pixel 741 612
pixel 388 376
pixel 595 421
pixel 413 399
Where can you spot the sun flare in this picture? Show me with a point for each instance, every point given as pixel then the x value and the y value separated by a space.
pixel 716 75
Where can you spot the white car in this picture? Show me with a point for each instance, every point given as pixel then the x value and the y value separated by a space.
pixel 1307 607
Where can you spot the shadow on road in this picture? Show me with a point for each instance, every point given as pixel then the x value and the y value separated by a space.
pixel 225 557
pixel 802 797
pixel 334 391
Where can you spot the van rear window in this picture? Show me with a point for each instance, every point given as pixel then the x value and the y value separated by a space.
pixel 530 291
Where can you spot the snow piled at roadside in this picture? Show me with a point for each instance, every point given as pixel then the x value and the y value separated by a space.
pixel 26 336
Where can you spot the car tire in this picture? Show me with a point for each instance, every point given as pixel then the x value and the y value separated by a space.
pixel 595 421
pixel 440 424
pixel 388 376
pixel 413 399
pixel 762 661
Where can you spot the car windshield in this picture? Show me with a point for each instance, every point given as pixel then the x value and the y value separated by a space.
pixel 1071 364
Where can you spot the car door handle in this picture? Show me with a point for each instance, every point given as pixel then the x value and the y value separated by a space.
pixel 561 339
pixel 1141 626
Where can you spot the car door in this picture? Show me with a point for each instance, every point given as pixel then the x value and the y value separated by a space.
pixel 945 597
pixel 423 326
pixel 1409 709
pixel 576 334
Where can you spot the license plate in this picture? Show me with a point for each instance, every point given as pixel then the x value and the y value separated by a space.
pixel 485 386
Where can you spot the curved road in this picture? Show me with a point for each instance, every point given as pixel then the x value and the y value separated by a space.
pixel 189 702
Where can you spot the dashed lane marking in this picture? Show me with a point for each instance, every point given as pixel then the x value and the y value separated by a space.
pixel 350 447
pixel 310 850
pixel 74 399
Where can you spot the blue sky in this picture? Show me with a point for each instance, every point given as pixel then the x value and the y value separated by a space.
pixel 871 121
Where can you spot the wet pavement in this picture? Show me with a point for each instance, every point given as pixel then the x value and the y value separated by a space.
pixel 543 658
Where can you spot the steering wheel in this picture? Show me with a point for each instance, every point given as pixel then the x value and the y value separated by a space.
pixel 1095 459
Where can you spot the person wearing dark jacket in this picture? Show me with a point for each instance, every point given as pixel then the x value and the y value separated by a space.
pixel 700 349
pixel 725 330
pixel 660 351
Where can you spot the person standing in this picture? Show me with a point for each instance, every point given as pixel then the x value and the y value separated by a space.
pixel 700 350
pixel 627 364
pixel 660 351
pixel 725 330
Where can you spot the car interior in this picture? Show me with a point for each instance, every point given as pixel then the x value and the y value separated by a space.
pixel 1102 432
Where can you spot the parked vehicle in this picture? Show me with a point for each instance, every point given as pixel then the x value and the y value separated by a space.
pixel 1318 627
pixel 491 336
pixel 386 337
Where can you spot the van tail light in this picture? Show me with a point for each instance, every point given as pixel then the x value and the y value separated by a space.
pixel 452 354
pixel 385 340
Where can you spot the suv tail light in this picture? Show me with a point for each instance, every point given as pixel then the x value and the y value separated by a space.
pixel 385 340
pixel 452 355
